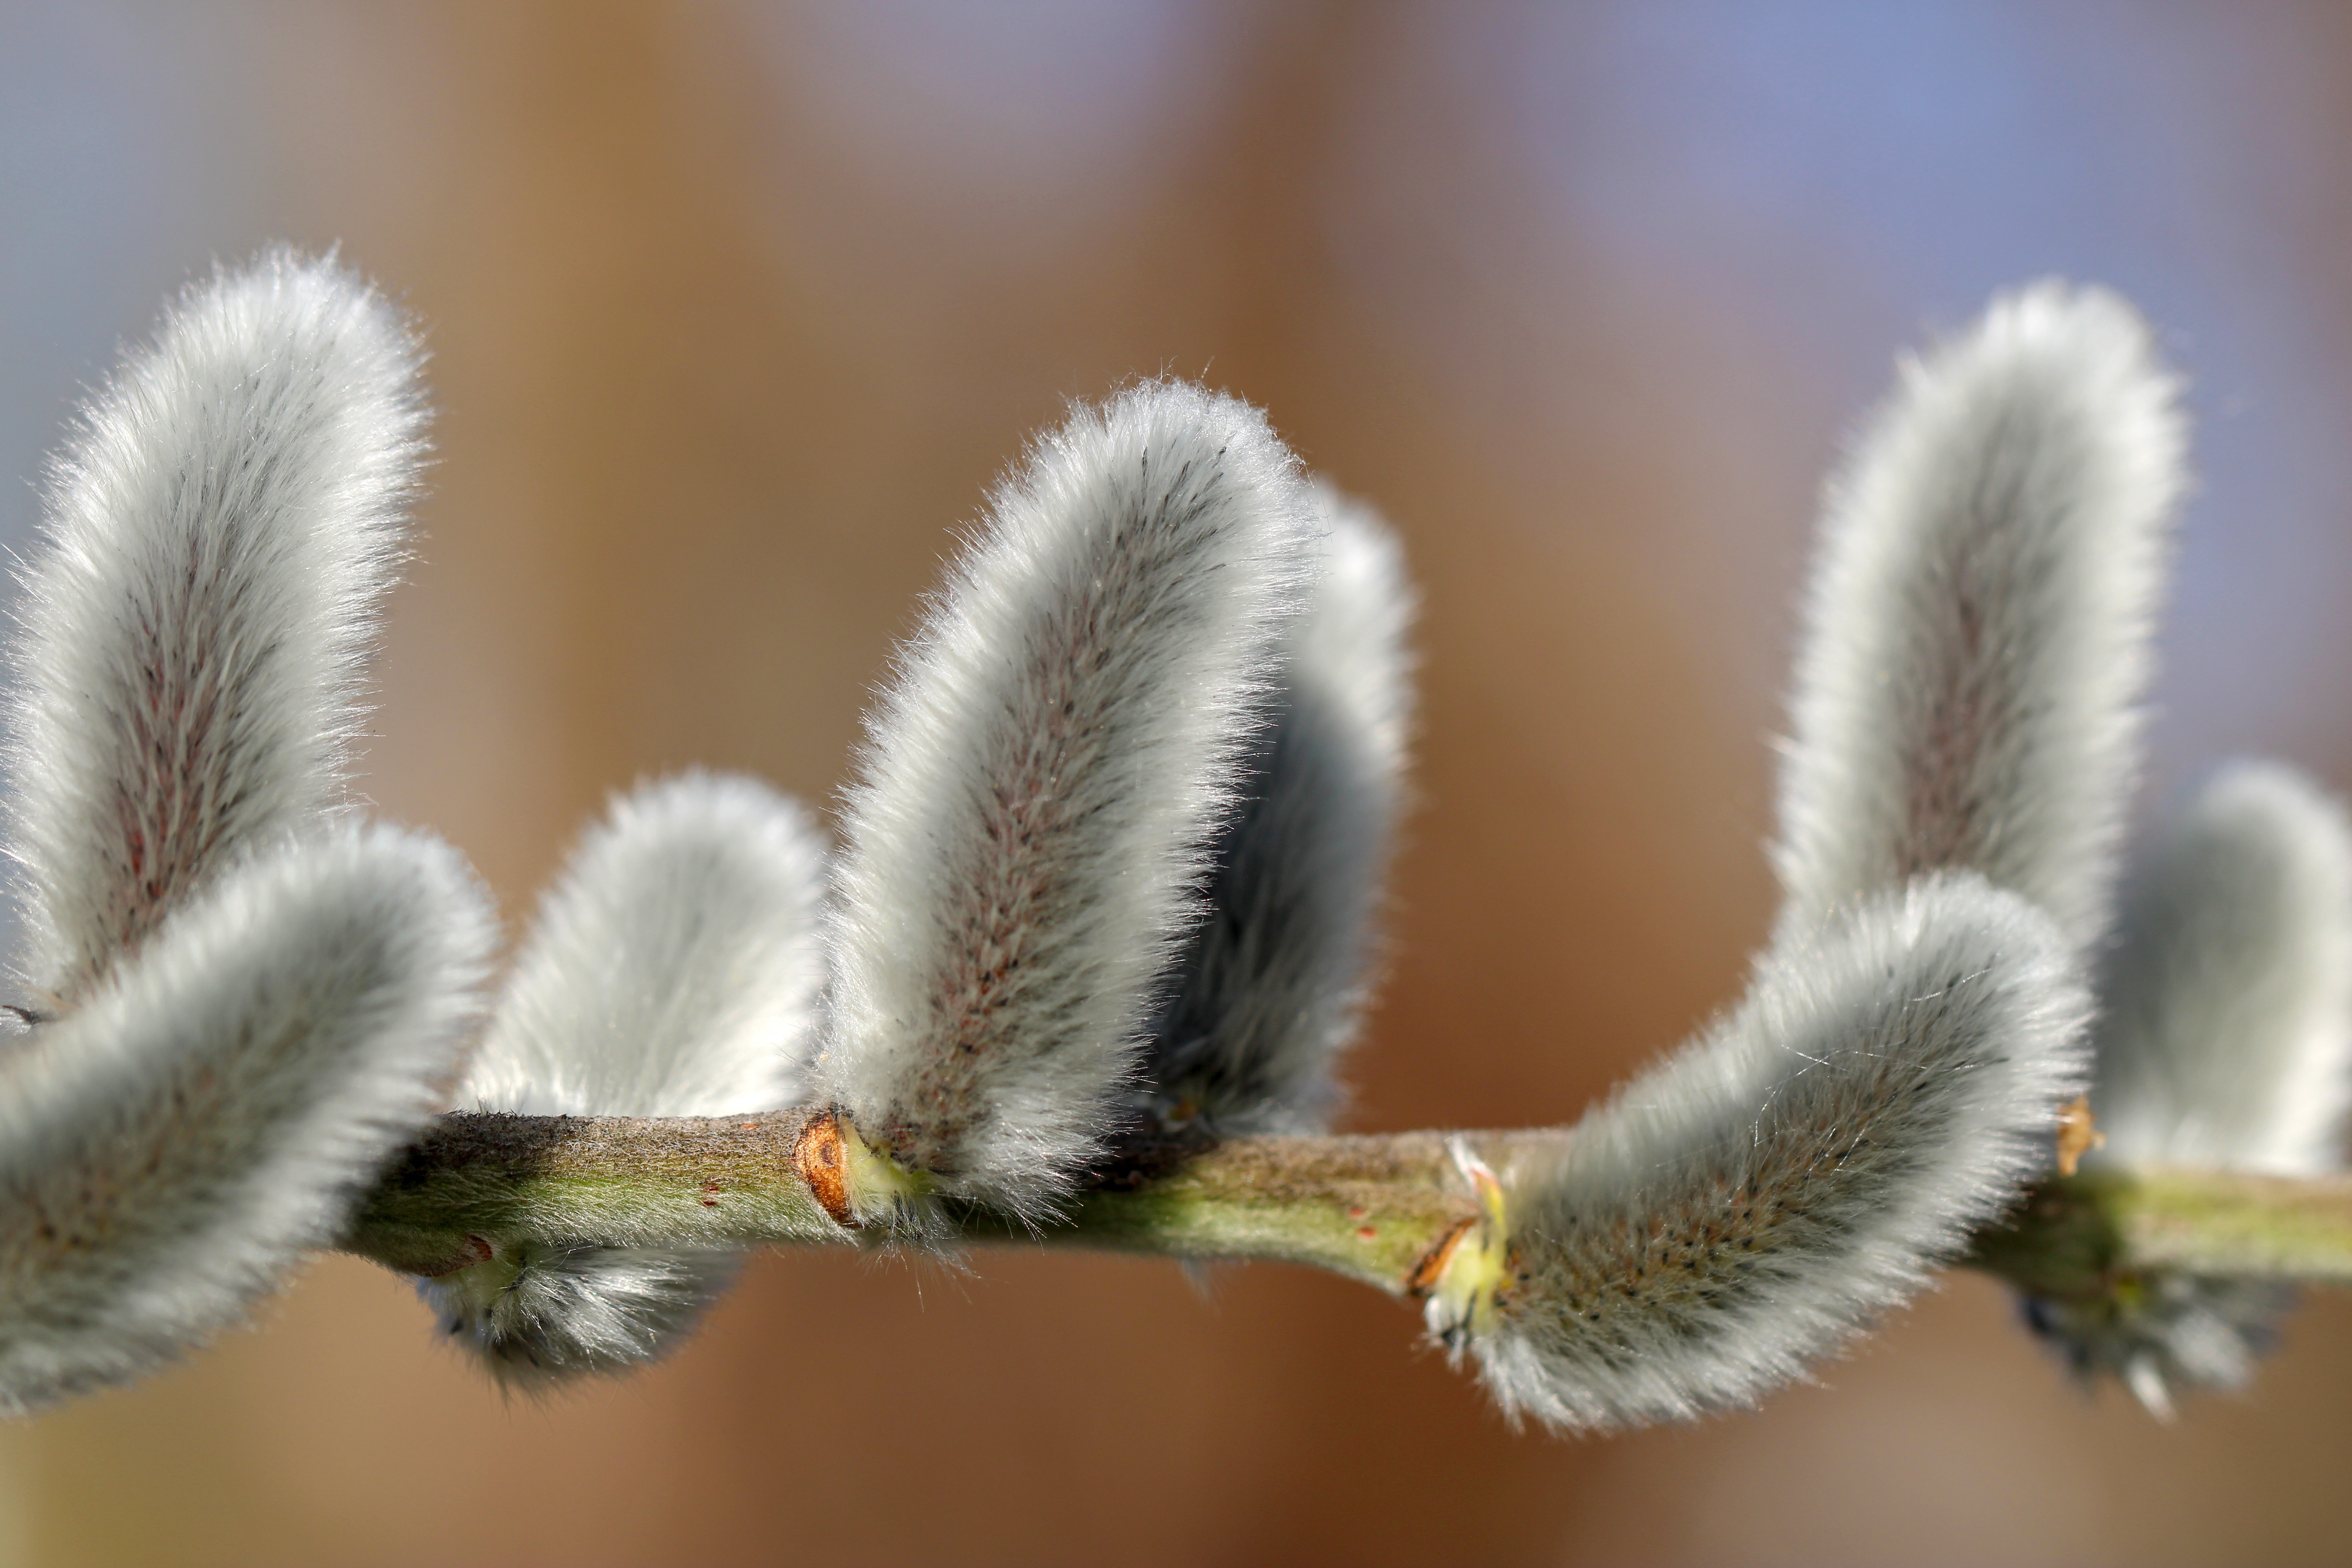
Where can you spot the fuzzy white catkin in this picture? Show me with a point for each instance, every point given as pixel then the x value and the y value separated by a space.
pixel 1747 1205
pixel 219 533
pixel 2226 1036
pixel 169 1151
pixel 674 971
pixel 1964 733
pixel 1978 623
pixel 1040 784
pixel 1272 977
pixel 2224 1042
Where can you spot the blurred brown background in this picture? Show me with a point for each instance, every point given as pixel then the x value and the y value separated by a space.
pixel 735 310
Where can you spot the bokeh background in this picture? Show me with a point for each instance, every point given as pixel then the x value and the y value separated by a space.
pixel 736 309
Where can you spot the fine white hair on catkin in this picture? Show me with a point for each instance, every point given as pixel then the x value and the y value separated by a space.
pixel 1978 622
pixel 1041 784
pixel 1272 979
pixel 220 531
pixel 540 1316
pixel 2225 1038
pixel 1747 1205
pixel 2225 1042
pixel 674 971
pixel 222 1097
pixel 674 967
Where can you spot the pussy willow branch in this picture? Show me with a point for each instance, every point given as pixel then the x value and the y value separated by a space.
pixel 1380 1209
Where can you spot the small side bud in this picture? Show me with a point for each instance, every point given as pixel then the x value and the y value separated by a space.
pixel 856 1184
pixel 1462 1279
pixel 822 1158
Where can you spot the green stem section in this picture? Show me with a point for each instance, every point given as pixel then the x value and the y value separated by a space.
pixel 477 1183
pixel 2075 1238
pixel 1373 1208
pixel 1386 1210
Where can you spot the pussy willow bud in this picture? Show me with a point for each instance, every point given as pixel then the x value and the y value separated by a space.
pixel 1041 787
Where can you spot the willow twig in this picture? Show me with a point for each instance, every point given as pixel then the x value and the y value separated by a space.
pixel 1376 1208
